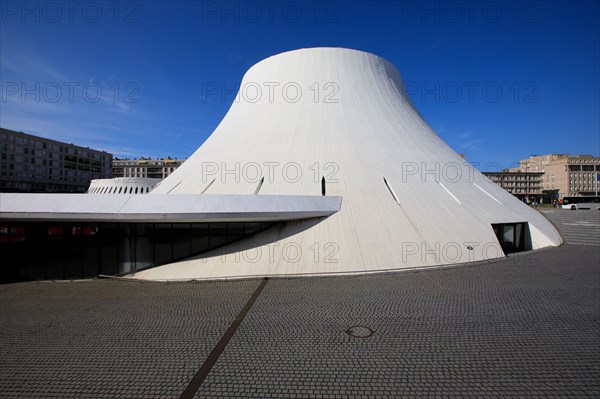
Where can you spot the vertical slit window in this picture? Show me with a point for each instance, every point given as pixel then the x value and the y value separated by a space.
pixel 260 183
pixel 391 191
pixel 448 191
pixel 207 187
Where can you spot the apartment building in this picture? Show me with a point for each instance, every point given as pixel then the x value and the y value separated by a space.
pixel 145 168
pixel 36 164
pixel 523 185
pixel 537 163
pixel 573 175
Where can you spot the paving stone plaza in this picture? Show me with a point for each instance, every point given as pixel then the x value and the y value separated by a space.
pixel 523 326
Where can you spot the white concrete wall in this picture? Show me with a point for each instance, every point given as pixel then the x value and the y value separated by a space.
pixel 123 185
pixel 360 129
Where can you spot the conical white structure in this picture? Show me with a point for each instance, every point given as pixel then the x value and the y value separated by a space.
pixel 408 200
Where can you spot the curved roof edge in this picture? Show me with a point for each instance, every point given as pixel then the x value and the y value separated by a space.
pixel 165 208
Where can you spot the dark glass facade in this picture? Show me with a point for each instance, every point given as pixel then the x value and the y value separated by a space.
pixel 59 250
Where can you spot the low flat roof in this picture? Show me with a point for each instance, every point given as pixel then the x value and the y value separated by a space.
pixel 164 208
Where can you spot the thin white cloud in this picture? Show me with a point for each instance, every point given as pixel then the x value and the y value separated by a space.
pixel 472 144
pixel 25 61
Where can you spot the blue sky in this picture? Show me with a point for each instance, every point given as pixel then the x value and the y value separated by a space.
pixel 498 81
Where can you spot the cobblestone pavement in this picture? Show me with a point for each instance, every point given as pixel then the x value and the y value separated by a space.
pixel 110 339
pixel 581 227
pixel 527 325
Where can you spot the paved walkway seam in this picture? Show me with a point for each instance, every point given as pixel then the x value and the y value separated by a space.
pixel 210 361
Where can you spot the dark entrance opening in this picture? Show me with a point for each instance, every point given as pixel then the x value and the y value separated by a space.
pixel 59 250
pixel 513 237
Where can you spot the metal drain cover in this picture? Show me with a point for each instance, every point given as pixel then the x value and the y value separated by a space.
pixel 360 332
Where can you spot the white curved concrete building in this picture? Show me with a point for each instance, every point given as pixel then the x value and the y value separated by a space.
pixel 123 185
pixel 321 166
pixel 337 122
